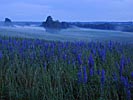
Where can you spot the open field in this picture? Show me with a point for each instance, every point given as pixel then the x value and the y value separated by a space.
pixel 33 69
pixel 72 34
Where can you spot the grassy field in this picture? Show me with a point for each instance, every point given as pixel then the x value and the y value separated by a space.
pixel 73 64
pixel 33 69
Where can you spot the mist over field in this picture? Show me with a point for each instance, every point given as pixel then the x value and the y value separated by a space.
pixel 70 34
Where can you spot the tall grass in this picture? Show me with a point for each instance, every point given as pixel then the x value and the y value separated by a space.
pixel 44 70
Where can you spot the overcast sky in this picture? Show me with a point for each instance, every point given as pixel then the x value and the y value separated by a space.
pixel 67 10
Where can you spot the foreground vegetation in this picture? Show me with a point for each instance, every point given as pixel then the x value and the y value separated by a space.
pixel 43 70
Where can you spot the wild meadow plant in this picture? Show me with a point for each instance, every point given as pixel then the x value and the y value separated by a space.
pixel 1 55
pixel 131 74
pixel 32 69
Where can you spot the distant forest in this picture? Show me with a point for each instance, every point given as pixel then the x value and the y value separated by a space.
pixel 119 26
pixel 50 24
pixel 55 25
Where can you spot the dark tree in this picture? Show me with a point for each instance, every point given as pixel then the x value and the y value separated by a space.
pixel 65 25
pixel 7 20
pixel 50 24
pixel 49 19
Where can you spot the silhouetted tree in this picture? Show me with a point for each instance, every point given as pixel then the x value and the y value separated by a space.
pixel 50 24
pixel 7 20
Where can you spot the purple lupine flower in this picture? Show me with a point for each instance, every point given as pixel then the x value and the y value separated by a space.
pixel 102 54
pixel 91 61
pixel 79 59
pixel 69 61
pixel 122 63
pixel 93 51
pixel 98 72
pixel 85 77
pixel 1 55
pixel 128 60
pixel 82 75
pixel 128 95
pixel 103 77
pixel 79 76
pixel 64 56
pixel 125 82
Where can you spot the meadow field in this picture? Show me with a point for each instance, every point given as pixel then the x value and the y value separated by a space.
pixel 75 64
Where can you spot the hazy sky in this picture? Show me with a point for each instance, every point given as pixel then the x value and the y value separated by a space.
pixel 67 10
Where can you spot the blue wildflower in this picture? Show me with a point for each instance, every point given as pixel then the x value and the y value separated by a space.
pixel 122 63
pixel 79 76
pixel 128 60
pixel 64 56
pixel 103 77
pixel 128 95
pixel 125 82
pixel 79 59
pixel 102 54
pixel 82 75
pixel 1 55
pixel 85 75
pixel 98 72
pixel 93 51
pixel 91 61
